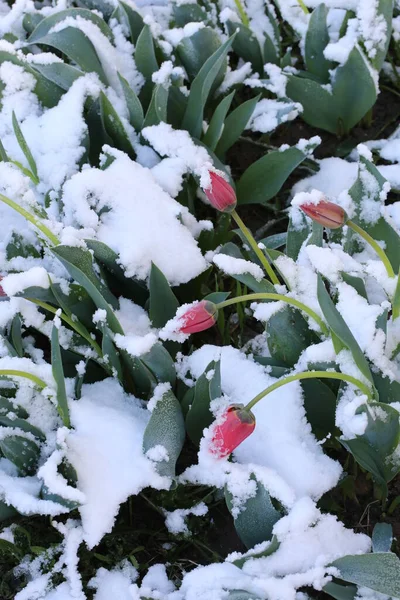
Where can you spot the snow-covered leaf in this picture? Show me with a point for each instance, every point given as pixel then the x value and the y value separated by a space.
pixel 247 279
pixel 133 19
pixel 288 335
pixel 163 303
pixel 247 46
pixel 23 424
pixel 166 428
pixel 21 451
pixel 157 111
pixel 160 363
pixel 207 388
pixel 135 109
pixel 235 124
pixel 317 38
pixel 195 50
pixel 45 25
pixel 146 62
pixel 58 374
pixel 379 572
pixel 188 13
pixel 382 537
pixel 340 592
pixel 114 127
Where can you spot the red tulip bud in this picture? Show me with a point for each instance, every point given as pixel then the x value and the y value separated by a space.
pixel 198 317
pixel 325 213
pixel 220 194
pixel 236 426
pixel 2 292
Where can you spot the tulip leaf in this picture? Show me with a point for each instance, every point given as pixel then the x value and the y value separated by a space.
pixel 160 363
pixel 270 549
pixel 6 511
pixel 207 388
pixel 320 406
pixel 341 329
pixel 264 178
pixel 317 38
pixel 296 236
pixel 188 13
pixel 157 111
pixel 201 87
pixel 382 537
pixel 288 335
pixel 133 19
pixel 113 126
pixel 377 571
pixel 340 592
pixel 146 62
pixel 216 126
pixel 163 303
pixel 246 45
pixel 58 374
pixel 21 451
pixel 24 147
pixel 166 428
pixel 44 25
pixel 247 279
pixel 257 517
pixel 16 335
pixel 136 116
pixel 110 351
pixel 235 124
pixel 17 423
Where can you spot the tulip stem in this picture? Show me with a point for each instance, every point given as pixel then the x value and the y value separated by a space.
pixel 260 255
pixel 244 18
pixel 374 244
pixel 281 298
pixel 12 373
pixel 303 7
pixel 31 218
pixel 309 375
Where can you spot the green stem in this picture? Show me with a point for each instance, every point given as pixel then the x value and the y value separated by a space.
pixel 281 298
pixel 76 326
pixel 244 18
pixel 309 375
pixel 260 255
pixel 12 373
pixel 303 7
pixel 374 244
pixel 31 218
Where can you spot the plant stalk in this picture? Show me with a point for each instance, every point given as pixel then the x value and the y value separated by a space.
pixel 303 7
pixel 13 373
pixel 260 255
pixel 278 297
pixel 309 375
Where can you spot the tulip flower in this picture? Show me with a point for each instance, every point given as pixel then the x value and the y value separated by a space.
pixel 236 426
pixel 198 317
pixel 325 213
pixel 220 194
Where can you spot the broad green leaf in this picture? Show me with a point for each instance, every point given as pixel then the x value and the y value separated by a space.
pixel 24 453
pixel 195 50
pixel 134 20
pixel 110 351
pixel 48 23
pixel 389 391
pixel 217 297
pixel 6 511
pixel 234 125
pixel 135 109
pixel 255 521
pixel 166 428
pixel 201 87
pixel 320 406
pixel 199 416
pixel 216 125
pixel 382 537
pixel 247 46
pixel 114 127
pixel 23 424
pixel 340 592
pixel 31 21
pixel 163 303
pixel 288 335
pixel 353 94
pixel 379 572
pixel 385 11
pixel 188 13
pixel 241 595
pixel 356 282
pixel 275 241
pixel 275 369
pixel 157 111
pixel 76 45
pixel 46 494
pixel 264 178
pixel 177 103
pixel 341 329
pixel 145 57
pixel 58 374
pixel 16 335
pixel 24 146
pixel 317 235
pixel 6 406
pixel 160 363
pixel 248 280
pixel 62 75
pixel 317 38
pixel 270 549
pixel 79 264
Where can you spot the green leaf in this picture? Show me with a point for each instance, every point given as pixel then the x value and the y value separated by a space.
pixel 385 10
pixel 160 363
pixel 61 74
pixel 288 335
pixel 30 21
pixel 188 13
pixel 320 407
pixel 396 300
pixel 356 282
pixel 217 297
pixel 6 511
pixel 7 406
pixel 24 147
pixel 379 572
pixel 247 46
pixel 157 111
pixel 235 124
pixel 216 125
pixel 114 127
pixel 255 521
pixel 353 94
pixel 145 57
pixel 110 351
pixel 58 374
pixel 340 592
pixel 296 236
pixel 201 87
pixel 264 178
pixel 163 303
pixel 24 453
pixel 382 537
pixel 16 335
pixel 166 428
pixel 134 20
pixel 199 416
pixel 317 38
pixel 248 280
pixel 48 23
pixel 196 49
pixel 79 264
pixel 135 109
pixel 275 241
pixel 341 330
pixel 76 45
pixel 17 423
pixel 270 549
pixel 389 391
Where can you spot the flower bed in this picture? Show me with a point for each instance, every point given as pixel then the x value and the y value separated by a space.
pixel 199 321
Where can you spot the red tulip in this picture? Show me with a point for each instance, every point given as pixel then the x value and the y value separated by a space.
pixel 2 292
pixel 236 426
pixel 220 194
pixel 198 317
pixel 325 213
